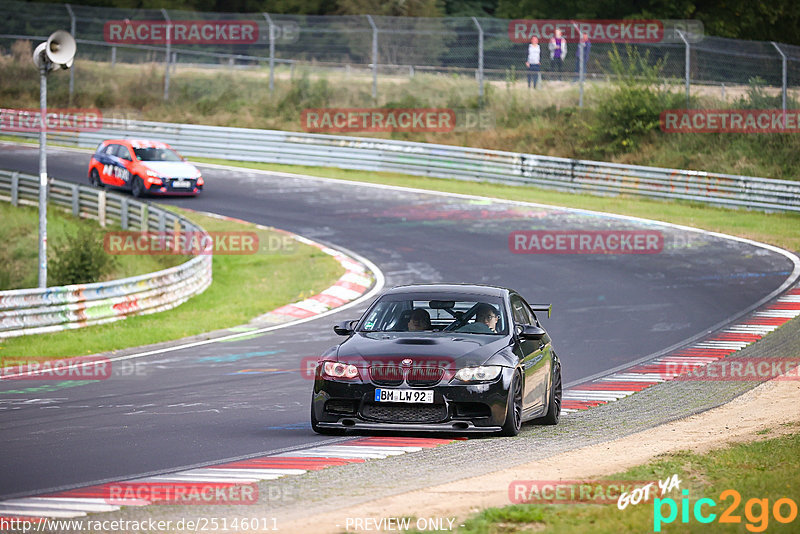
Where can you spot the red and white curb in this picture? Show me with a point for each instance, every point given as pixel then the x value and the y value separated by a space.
pixel 106 497
pixel 638 377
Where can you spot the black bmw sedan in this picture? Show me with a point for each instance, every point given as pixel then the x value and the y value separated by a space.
pixel 455 358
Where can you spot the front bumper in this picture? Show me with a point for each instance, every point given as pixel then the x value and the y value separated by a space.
pixel 340 404
pixel 166 189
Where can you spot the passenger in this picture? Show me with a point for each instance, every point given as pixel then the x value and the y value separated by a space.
pixel 486 318
pixel 419 320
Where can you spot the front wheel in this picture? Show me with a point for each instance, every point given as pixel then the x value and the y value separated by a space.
pixel 513 421
pixel 554 406
pixel 137 187
pixel 94 178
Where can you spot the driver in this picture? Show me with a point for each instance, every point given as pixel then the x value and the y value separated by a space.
pixel 486 318
pixel 419 320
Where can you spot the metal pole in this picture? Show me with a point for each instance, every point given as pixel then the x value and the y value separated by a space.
pixel 783 79
pixel 271 53
pixel 45 64
pixel 688 63
pixel 581 47
pixel 169 40
pixel 480 58
pixel 72 70
pixel 374 57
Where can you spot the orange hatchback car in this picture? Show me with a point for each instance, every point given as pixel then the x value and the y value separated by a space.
pixel 143 168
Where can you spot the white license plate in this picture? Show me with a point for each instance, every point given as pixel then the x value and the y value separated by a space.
pixel 424 396
pixel 181 183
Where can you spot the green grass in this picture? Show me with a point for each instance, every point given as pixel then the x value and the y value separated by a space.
pixel 19 255
pixel 760 470
pixel 779 229
pixel 244 287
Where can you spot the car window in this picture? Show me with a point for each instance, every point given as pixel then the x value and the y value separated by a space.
pixel 123 152
pixel 156 154
pixel 519 311
pixel 436 313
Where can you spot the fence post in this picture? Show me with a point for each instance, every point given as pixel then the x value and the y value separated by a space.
pixel 14 189
pixel 76 200
pixel 581 62
pixel 123 213
pixel 145 217
pixel 72 70
pixel 101 208
pixel 167 58
pixel 783 80
pixel 162 222
pixel 113 55
pixel 271 53
pixel 374 57
pixel 480 58
pixel 688 63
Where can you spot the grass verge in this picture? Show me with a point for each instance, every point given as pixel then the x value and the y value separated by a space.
pixel 779 229
pixel 244 287
pixel 20 254
pixel 750 469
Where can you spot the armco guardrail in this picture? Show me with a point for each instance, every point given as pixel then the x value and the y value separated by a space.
pixel 35 311
pixel 445 161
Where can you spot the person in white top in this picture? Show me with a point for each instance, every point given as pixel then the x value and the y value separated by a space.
pixel 534 58
pixel 558 52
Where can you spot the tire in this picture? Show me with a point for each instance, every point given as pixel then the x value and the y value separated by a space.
pixel 554 405
pixel 513 421
pixel 94 178
pixel 322 430
pixel 137 187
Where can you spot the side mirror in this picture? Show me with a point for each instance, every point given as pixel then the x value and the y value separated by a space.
pixel 345 328
pixel 528 331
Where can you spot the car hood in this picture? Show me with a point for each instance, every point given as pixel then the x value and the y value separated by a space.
pixel 172 169
pixel 440 349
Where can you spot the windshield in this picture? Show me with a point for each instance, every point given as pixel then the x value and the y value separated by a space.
pixel 156 154
pixel 478 314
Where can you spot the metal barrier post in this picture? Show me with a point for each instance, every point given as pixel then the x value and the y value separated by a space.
pixel 76 200
pixel 144 216
pixel 101 208
pixel 271 53
pixel 374 57
pixel 480 58
pixel 123 213
pixel 113 55
pixel 783 80
pixel 167 55
pixel 688 62
pixel 14 189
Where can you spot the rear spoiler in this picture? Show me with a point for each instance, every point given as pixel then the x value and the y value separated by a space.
pixel 543 307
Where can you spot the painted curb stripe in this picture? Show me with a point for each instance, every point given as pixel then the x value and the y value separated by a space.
pixel 104 497
pixel 727 341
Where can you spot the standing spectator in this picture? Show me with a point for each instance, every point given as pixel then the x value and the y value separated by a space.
pixel 587 46
pixel 558 51
pixel 534 59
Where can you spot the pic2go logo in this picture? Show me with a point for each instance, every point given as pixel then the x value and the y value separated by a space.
pixel 756 511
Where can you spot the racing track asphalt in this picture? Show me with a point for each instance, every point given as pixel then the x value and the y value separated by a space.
pixel 246 397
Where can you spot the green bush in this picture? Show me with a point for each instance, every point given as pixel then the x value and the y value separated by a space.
pixel 81 259
pixel 631 110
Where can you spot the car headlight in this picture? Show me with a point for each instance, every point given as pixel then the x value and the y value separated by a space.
pixel 482 373
pixel 340 370
pixel 154 174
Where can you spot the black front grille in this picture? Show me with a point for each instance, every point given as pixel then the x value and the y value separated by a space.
pixel 424 376
pixel 405 413
pixel 386 375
